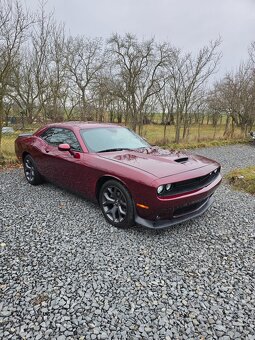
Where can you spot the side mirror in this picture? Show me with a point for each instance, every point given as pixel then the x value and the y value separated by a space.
pixel 64 147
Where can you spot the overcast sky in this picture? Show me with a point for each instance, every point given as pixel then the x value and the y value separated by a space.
pixel 188 24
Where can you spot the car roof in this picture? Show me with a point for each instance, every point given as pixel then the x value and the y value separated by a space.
pixel 82 125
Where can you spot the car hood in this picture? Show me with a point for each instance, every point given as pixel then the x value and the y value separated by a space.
pixel 158 162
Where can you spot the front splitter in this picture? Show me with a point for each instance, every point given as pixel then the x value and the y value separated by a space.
pixel 161 224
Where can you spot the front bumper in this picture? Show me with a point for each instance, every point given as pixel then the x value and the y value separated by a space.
pixel 161 224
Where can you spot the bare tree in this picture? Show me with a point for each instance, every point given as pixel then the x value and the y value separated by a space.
pixel 69 101
pixel 14 23
pixel 42 37
pixel 85 61
pixel 166 101
pixel 30 86
pixel 252 53
pixel 38 81
pixel 188 77
pixel 22 87
pixel 235 95
pixel 57 72
pixel 136 72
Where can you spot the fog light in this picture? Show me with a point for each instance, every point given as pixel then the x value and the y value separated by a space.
pixel 160 189
pixel 168 186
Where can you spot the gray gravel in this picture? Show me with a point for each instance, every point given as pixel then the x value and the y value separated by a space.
pixel 66 274
pixel 232 156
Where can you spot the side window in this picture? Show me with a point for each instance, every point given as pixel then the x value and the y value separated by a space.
pixel 56 136
pixel 46 135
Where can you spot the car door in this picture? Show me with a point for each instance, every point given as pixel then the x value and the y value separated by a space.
pixel 64 168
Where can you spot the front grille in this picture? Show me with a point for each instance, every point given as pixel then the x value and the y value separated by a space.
pixel 191 184
pixel 188 209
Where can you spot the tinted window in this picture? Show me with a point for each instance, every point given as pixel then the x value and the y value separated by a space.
pixel 56 136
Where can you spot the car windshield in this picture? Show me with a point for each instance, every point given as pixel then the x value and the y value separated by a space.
pixel 105 139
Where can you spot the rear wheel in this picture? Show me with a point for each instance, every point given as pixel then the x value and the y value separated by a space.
pixel 116 204
pixel 31 173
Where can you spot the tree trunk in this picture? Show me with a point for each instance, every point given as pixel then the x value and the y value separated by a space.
pixel 163 116
pixel 214 132
pixel 232 128
pixel 186 126
pixel 111 116
pixel 166 122
pixel 1 125
pixel 7 118
pixel 84 114
pixel 134 121
pixel 29 113
pixel 198 131
pixel 164 136
pixel 185 130
pixel 119 118
pixel 140 123
pixel 177 128
pixel 226 131
pixel 208 119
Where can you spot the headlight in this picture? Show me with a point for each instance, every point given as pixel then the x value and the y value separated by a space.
pixel 160 189
pixel 168 186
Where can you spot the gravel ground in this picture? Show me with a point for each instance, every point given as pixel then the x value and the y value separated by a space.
pixel 66 274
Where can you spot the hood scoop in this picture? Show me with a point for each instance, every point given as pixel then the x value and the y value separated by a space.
pixel 182 160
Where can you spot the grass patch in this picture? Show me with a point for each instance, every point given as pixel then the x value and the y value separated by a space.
pixel 8 148
pixel 155 133
pixel 208 136
pixel 243 179
pixel 206 144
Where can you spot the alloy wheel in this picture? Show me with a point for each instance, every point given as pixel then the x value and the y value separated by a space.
pixel 114 204
pixel 29 170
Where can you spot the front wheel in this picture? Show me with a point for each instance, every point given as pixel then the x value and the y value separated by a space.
pixel 31 173
pixel 116 204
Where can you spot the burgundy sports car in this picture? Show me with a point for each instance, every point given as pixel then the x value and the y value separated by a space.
pixel 134 182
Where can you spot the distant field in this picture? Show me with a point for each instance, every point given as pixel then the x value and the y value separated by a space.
pixel 153 133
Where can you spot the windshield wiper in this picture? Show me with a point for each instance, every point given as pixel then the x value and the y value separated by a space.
pixel 114 149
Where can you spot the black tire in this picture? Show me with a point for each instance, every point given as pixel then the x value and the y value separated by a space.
pixel 31 173
pixel 116 204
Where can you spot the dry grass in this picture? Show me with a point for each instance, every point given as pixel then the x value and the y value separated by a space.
pixel 205 144
pixel 243 179
pixel 154 134
pixel 8 148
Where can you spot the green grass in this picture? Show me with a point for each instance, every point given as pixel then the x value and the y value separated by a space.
pixel 243 179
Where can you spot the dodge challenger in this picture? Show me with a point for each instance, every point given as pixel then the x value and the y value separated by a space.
pixel 133 182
